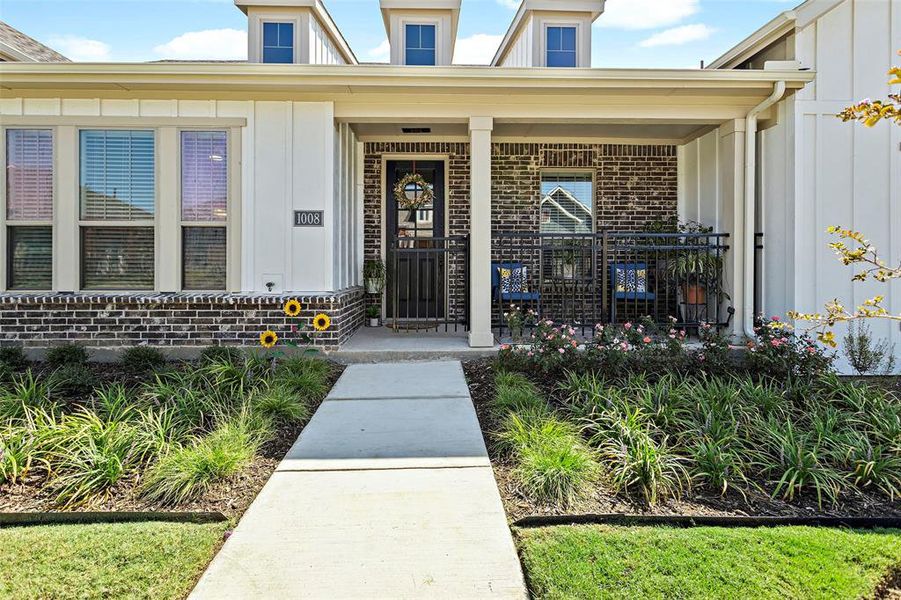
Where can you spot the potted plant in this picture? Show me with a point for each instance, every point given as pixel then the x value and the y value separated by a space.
pixel 566 267
pixel 374 276
pixel 694 270
pixel 373 312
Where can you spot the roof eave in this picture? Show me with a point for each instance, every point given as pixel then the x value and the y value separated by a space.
pixel 781 25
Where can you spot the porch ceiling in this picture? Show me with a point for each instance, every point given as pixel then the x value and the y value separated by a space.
pixel 542 131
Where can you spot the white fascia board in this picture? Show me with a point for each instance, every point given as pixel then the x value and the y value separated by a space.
pixel 390 78
pixel 15 53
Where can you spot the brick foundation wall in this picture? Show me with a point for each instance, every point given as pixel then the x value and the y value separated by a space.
pixel 170 320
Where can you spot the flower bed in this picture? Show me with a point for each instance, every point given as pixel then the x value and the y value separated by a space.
pixel 147 434
pixel 636 421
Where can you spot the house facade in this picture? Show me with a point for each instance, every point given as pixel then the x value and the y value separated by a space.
pixel 181 203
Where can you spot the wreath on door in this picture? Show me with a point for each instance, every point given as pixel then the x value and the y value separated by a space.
pixel 413 191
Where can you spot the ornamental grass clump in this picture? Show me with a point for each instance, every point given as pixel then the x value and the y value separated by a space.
pixel 72 380
pixel 558 472
pixel 513 392
pixel 304 376
pixel 637 461
pixel 279 404
pixel 26 391
pixel 187 472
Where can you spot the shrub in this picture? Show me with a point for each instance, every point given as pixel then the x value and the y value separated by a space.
pixel 781 353
pixel 13 357
pixel 279 404
pixel 558 471
pixel 187 472
pixel 67 354
pixel 139 360
pixel 866 355
pixel 212 354
pixel 639 461
pixel 73 380
pixel 553 345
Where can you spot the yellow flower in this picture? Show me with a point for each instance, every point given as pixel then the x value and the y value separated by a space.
pixel 268 339
pixel 292 308
pixel 321 322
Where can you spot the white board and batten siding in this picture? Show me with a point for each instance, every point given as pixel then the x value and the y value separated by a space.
pixel 815 171
pixel 292 158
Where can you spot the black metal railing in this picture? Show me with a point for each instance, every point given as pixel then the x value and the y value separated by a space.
pixel 427 283
pixel 610 277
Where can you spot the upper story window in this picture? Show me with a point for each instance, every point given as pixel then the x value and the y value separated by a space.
pixel 561 46
pixel 278 43
pixel 420 45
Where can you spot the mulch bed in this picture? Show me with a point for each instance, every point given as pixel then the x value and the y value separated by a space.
pixel 480 376
pixel 230 497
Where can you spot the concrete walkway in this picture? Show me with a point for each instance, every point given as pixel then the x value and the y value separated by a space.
pixel 388 493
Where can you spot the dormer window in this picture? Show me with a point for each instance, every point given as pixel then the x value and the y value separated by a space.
pixel 278 42
pixel 419 45
pixel 561 47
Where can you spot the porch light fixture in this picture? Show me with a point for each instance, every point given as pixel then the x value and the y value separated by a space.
pixel 416 130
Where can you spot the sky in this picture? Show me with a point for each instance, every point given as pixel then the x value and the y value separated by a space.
pixel 630 34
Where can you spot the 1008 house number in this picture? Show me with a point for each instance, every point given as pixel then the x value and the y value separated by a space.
pixel 309 218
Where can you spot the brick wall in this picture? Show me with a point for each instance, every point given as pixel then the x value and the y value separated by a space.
pixel 170 320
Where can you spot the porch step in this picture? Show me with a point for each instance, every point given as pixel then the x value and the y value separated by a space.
pixel 382 344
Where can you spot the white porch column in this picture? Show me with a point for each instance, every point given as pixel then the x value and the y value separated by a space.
pixel 732 186
pixel 480 335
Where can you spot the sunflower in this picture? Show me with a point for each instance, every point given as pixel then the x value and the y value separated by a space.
pixel 292 308
pixel 321 322
pixel 268 339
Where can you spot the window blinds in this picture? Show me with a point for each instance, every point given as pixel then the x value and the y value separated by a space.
pixel 117 175
pixel 29 174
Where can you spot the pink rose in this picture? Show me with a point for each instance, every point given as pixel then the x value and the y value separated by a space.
pixel 627 326
pixel 647 340
pixel 561 350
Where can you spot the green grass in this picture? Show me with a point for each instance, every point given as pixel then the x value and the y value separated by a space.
pixel 596 561
pixel 126 560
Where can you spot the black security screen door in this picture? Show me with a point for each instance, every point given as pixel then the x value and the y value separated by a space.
pixel 415 289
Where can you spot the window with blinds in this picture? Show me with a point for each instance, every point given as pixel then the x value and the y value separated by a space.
pixel 29 174
pixel 118 204
pixel 204 208
pixel 117 175
pixel 117 258
pixel 29 209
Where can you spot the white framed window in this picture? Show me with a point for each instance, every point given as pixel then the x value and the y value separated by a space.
pixel 29 209
pixel 117 209
pixel 204 209
pixel 567 202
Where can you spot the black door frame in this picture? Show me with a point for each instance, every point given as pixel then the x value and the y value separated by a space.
pixel 404 164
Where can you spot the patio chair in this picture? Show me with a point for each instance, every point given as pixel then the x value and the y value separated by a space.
pixel 519 294
pixel 630 281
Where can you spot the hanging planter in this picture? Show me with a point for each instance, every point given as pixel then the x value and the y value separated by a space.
pixel 413 191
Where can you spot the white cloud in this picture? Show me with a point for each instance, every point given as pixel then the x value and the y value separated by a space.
pixel 382 52
pixel 209 44
pixel 476 49
pixel 646 14
pixel 678 36
pixel 79 48
pixel 511 4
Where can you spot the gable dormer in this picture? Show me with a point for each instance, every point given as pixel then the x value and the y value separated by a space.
pixel 549 33
pixel 293 32
pixel 421 32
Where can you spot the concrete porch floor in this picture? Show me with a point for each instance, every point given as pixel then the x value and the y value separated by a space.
pixel 381 344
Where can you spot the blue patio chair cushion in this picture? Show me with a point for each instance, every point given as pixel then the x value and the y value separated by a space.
pixel 520 296
pixel 511 288
pixel 630 281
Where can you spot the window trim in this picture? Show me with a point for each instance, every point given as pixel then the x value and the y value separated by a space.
pixel 439 40
pixel 547 23
pixel 294 37
pixel 80 223
pixel 406 48
pixel 227 223
pixel 5 223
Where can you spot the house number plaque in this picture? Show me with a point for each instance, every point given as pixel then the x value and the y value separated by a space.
pixel 309 218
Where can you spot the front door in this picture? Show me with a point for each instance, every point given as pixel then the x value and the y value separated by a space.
pixel 416 248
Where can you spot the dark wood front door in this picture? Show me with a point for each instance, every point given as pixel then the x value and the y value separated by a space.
pixel 415 286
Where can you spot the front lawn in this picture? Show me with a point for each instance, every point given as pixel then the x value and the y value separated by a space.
pixel 596 561
pixel 124 560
